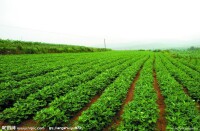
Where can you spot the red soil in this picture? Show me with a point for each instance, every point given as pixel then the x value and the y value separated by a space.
pixel 3 123
pixel 28 123
pixel 186 92
pixel 161 123
pixel 117 119
pixel 93 100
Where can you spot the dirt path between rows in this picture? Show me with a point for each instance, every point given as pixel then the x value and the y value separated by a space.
pixel 93 100
pixel 185 89
pixel 161 123
pixel 26 125
pixel 187 92
pixel 117 119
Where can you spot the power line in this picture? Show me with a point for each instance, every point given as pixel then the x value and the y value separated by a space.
pixel 105 43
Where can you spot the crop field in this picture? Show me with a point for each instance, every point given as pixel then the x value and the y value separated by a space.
pixel 113 90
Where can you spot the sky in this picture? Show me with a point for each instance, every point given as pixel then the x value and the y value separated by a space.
pixel 125 24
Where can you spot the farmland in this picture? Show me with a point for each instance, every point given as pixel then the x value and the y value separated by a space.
pixel 113 90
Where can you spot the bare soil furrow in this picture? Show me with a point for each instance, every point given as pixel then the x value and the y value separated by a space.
pixel 117 119
pixel 161 123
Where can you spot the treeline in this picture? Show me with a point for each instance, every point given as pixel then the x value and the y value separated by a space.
pixel 194 48
pixel 22 47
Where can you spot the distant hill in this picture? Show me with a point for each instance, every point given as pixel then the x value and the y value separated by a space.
pixel 24 47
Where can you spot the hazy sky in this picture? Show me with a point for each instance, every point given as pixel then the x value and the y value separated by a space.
pixel 126 24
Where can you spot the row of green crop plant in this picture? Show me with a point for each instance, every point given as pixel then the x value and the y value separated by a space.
pixel 189 58
pixel 49 77
pixel 193 63
pixel 33 73
pixel 21 71
pixel 142 112
pixel 13 65
pixel 191 84
pixel 10 96
pixel 20 67
pixel 14 68
pixel 192 73
pixel 25 108
pixel 188 54
pixel 181 113
pixel 17 64
pixel 67 105
pixel 66 67
pixel 100 114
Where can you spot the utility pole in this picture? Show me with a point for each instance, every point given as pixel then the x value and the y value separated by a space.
pixel 105 43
